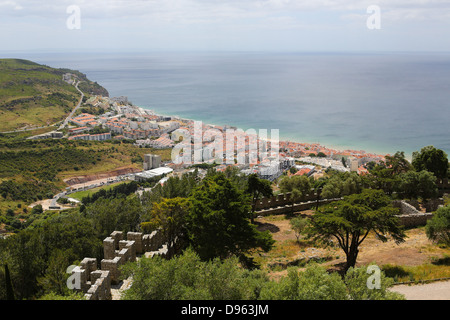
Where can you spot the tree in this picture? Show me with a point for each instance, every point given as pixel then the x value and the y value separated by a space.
pixel 356 280
pixel 170 215
pixel 298 224
pixel 438 228
pixel 187 277
pixel 174 187
pixel 383 178
pixel 398 163
pixel 38 256
pixel 293 170
pixel 37 209
pixel 332 188
pixel 108 215
pixel 218 221
pixel 297 186
pixel 342 184
pixel 8 284
pixel 312 284
pixel 431 159
pixel 350 221
pixel 257 188
pixel 55 276
pixel 418 184
pixel 315 283
pixel 237 178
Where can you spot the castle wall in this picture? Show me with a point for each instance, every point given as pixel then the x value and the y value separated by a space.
pixel 96 284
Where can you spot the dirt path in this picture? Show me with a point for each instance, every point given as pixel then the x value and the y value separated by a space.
pixel 430 291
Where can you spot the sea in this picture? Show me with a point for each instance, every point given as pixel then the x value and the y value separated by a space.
pixel 379 102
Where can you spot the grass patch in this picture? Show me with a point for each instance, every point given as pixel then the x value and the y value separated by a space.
pixel 81 194
pixel 273 218
pixel 438 268
pixel 286 252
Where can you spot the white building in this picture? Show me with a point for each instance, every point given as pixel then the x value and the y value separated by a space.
pixel 269 170
pixel 354 164
pixel 152 161
pixel 152 173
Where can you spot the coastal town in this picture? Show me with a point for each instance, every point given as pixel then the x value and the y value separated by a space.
pixel 197 143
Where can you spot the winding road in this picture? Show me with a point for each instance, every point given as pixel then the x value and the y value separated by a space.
pixel 66 122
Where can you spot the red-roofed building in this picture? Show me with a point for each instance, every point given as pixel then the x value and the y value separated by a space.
pixel 302 172
pixel 78 130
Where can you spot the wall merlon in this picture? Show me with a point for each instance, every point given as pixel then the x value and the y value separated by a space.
pixel 96 283
pixel 137 237
pixel 109 248
pixel 131 246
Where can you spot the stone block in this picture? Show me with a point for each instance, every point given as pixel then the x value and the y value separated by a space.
pixel 90 265
pixel 81 282
pixel 104 284
pixel 124 254
pixel 113 267
pixel 117 236
pixel 93 291
pixel 109 248
pixel 137 238
pixel 146 242
pixel 131 246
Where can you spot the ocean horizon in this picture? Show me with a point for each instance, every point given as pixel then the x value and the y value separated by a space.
pixel 377 102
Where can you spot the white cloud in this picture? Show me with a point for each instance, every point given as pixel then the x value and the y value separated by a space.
pixel 219 21
pixel 183 12
pixel 11 5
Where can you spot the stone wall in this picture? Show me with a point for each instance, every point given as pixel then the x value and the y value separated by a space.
pixel 282 200
pixel 287 208
pixel 96 284
pixel 410 216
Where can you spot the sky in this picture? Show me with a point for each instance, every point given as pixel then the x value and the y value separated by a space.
pixel 225 25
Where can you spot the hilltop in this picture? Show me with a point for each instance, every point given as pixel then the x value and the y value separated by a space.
pixel 35 95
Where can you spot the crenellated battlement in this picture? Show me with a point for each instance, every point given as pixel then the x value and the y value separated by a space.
pixel 96 284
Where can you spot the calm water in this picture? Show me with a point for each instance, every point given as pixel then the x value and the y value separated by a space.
pixel 375 102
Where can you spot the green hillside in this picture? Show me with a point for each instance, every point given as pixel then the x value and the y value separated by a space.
pixel 34 95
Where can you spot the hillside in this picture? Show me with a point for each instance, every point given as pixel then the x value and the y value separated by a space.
pixel 32 170
pixel 34 95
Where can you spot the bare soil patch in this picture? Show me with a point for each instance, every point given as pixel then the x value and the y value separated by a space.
pixel 79 181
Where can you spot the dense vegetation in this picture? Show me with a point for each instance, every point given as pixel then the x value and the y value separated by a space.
pixel 121 190
pixel 187 277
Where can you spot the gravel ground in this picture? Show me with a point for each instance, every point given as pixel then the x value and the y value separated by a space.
pixel 430 291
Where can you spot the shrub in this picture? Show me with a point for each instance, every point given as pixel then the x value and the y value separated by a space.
pixel 438 228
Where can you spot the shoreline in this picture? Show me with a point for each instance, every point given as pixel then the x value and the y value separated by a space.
pixel 283 139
